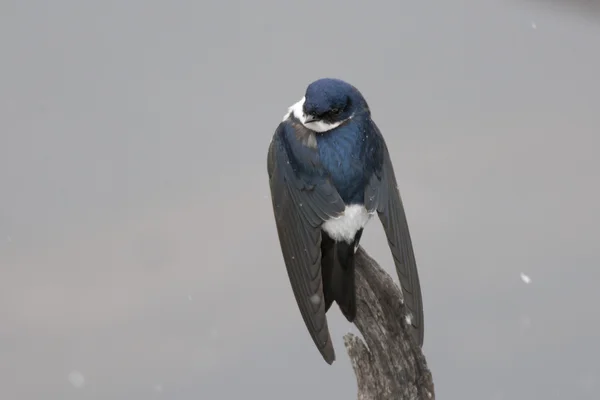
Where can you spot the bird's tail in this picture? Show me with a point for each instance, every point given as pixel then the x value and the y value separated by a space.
pixel 337 263
pixel 342 280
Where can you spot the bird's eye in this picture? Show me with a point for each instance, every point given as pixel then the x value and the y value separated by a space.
pixel 335 111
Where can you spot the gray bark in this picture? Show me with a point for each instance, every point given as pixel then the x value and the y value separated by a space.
pixel 390 365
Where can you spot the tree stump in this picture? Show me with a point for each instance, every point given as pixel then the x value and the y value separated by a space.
pixel 390 365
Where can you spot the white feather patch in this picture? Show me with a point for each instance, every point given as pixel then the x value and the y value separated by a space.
pixel 345 227
pixel 316 126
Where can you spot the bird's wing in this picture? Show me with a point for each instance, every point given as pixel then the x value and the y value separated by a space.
pixel 300 208
pixel 382 195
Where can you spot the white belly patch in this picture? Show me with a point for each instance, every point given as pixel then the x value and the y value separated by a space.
pixel 345 227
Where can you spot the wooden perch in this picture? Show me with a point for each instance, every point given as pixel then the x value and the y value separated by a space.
pixel 390 365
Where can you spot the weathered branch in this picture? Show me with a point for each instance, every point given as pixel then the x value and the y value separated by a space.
pixel 390 365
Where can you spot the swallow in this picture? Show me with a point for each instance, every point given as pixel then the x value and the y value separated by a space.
pixel 329 172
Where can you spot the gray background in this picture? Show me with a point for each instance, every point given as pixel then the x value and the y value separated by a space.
pixel 138 252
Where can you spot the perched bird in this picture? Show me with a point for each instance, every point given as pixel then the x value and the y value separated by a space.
pixel 330 172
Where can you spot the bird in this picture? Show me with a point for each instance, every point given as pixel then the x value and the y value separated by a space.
pixel 330 172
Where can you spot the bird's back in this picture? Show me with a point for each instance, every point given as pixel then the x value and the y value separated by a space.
pixel 344 155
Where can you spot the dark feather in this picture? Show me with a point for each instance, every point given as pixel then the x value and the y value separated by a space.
pixel 302 200
pixel 382 194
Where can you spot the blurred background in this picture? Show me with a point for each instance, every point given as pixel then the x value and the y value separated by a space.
pixel 138 252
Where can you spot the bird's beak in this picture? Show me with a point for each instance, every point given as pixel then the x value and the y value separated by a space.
pixel 309 118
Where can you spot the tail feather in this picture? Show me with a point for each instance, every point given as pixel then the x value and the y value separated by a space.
pixel 337 263
pixel 342 282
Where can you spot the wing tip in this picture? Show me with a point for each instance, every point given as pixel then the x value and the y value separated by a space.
pixel 328 354
pixel 326 349
pixel 418 334
pixel 416 328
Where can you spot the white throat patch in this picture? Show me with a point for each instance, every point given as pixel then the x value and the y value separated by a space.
pixel 316 126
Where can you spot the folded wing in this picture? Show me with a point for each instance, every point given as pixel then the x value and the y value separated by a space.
pixel 300 205
pixel 382 195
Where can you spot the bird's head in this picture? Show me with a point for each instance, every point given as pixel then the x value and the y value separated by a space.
pixel 327 104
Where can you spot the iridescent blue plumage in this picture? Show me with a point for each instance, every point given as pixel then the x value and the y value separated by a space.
pixel 344 154
pixel 349 153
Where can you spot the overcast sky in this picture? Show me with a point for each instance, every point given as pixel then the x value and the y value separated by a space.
pixel 138 251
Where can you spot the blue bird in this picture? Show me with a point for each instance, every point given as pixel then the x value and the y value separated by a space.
pixel 329 172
